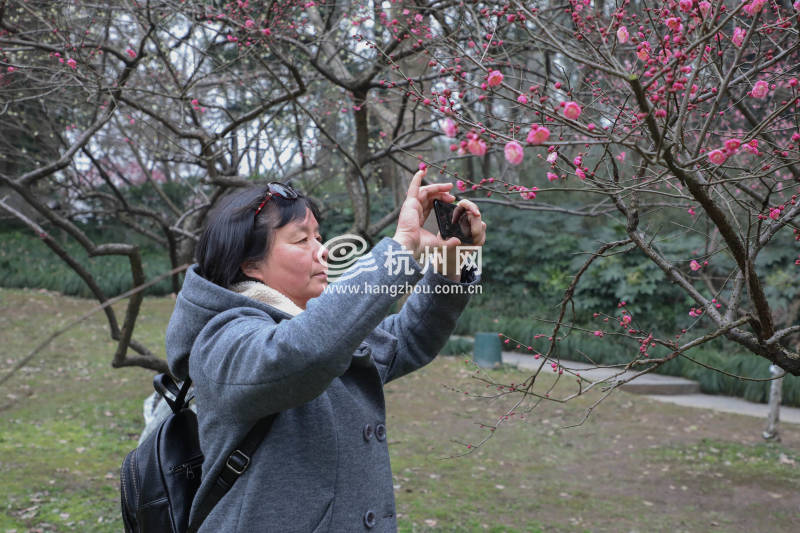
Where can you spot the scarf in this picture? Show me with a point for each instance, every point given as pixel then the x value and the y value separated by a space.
pixel 265 294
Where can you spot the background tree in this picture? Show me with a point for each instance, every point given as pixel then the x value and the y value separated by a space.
pixel 660 140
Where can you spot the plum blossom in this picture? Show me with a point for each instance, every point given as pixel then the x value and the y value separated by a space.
pixel 538 135
pixel 694 265
pixel 643 51
pixel 461 185
pixel 760 89
pixel 685 5
pixel 131 53
pixel 717 156
pixel 775 213
pixel 674 23
pixel 572 110
pixel 72 63
pixel 476 146
pixel 754 7
pixel 495 78
pixel 738 36
pixel 551 157
pixel 449 127
pixel 528 194
pixel 513 151
pixel 522 99
pixel 622 35
pixel 705 7
pixel 732 145
pixel 551 177
pixel 752 147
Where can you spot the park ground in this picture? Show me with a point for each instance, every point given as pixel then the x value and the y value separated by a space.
pixel 68 419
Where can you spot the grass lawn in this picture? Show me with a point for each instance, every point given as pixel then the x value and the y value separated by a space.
pixel 68 419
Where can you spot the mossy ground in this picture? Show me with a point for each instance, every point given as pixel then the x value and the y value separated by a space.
pixel 68 419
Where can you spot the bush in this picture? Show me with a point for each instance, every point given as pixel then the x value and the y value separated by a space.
pixel 26 262
pixel 584 347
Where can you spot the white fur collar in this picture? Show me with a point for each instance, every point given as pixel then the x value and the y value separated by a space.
pixel 265 294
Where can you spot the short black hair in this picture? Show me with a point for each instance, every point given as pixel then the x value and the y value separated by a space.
pixel 234 234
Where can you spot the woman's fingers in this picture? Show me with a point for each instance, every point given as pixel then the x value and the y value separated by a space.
pixel 470 207
pixel 416 181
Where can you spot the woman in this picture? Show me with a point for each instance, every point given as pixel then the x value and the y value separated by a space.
pixel 260 331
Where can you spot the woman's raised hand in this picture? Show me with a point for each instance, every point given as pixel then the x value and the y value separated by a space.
pixel 415 210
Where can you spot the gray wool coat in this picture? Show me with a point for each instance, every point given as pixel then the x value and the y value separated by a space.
pixel 324 466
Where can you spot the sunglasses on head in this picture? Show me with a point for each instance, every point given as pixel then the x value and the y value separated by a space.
pixel 277 188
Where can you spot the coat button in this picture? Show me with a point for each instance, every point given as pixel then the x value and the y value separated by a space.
pixel 368 432
pixel 369 519
pixel 380 432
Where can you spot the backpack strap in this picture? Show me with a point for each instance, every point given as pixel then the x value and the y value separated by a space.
pixel 235 465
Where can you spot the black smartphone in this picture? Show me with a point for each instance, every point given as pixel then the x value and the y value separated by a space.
pixel 452 224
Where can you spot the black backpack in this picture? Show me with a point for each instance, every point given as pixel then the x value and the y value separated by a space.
pixel 160 477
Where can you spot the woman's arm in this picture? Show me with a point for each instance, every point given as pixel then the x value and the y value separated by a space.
pixel 425 322
pixel 255 366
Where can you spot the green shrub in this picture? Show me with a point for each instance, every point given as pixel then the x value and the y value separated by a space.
pixel 26 262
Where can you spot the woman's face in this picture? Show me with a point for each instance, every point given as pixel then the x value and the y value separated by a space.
pixel 292 264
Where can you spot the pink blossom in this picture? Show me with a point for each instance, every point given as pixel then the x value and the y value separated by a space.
pixel 513 151
pixel 72 63
pixel 738 36
pixel 775 213
pixel 528 194
pixel 476 147
pixel 551 157
pixel 538 135
pixel 249 23
pixel 522 99
pixel 461 185
pixel 578 161
pixel 598 333
pixel 131 52
pixel 552 177
pixel 621 156
pixel 495 78
pixel 717 157
pixel 705 7
pixel 266 32
pixel 626 319
pixel 449 127
pixel 674 23
pixel 691 211
pixel 685 5
pixel 754 7
pixel 580 173
pixel 760 89
pixel 732 145
pixel 752 147
pixel 418 17
pixel 643 51
pixel 622 35
pixel 572 110
pixel 796 5
pixel 11 69
pixel 694 265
